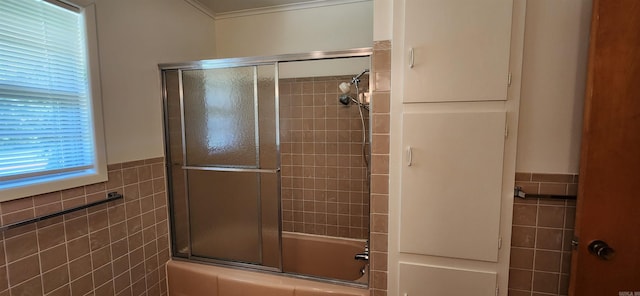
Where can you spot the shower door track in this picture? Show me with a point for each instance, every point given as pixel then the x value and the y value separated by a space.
pixel 255 61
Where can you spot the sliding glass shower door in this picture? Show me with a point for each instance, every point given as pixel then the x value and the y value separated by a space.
pixel 222 131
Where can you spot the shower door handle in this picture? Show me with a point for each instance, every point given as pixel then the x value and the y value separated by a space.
pixel 231 169
pixel 411 58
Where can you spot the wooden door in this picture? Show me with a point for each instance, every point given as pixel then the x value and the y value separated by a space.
pixel 609 194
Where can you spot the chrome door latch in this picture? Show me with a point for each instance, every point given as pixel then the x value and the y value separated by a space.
pixel 574 243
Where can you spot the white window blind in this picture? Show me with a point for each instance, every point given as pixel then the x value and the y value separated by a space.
pixel 46 123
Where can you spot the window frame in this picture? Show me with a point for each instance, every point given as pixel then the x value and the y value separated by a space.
pixel 87 10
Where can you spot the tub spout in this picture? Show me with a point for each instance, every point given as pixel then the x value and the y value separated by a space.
pixel 363 257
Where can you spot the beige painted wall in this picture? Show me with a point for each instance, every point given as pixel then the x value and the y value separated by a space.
pixel 553 85
pixel 382 20
pixel 334 27
pixel 134 36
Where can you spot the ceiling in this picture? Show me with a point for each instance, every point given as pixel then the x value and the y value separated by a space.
pixel 225 6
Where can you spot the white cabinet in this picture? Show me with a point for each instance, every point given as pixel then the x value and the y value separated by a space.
pixel 454 119
pixel 456 50
pixel 452 183
pixel 419 280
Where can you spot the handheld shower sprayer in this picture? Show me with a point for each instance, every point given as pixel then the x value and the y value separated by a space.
pixel 345 99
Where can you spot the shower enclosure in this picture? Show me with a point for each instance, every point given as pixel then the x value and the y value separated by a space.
pixel 260 146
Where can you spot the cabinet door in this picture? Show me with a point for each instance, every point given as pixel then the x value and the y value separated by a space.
pixel 417 280
pixel 452 184
pixel 456 50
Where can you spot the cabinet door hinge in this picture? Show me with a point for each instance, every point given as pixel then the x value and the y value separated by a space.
pixel 509 80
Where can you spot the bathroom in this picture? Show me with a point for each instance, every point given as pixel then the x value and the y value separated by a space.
pixel 121 248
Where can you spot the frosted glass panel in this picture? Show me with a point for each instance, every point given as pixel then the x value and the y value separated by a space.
pixel 229 121
pixel 270 204
pixel 220 117
pixel 267 117
pixel 224 210
pixel 180 224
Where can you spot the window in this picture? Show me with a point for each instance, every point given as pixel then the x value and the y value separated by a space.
pixel 51 134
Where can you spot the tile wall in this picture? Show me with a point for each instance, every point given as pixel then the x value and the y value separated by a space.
pixel 118 248
pixel 380 103
pixel 324 177
pixel 541 238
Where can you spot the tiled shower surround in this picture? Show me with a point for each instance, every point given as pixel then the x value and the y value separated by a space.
pixel 118 248
pixel 380 104
pixel 541 238
pixel 379 196
pixel 324 177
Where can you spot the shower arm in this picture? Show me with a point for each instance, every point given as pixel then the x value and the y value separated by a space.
pixel 356 79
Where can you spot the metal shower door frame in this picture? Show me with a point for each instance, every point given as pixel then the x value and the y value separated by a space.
pixel 232 63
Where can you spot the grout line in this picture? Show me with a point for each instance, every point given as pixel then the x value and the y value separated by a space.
pixel 66 253
pixel 37 256
pixel 562 248
pixel 111 243
pixel 535 249
pixel 60 288
pixel 9 287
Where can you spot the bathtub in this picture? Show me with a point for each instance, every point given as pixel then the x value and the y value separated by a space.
pixel 195 279
pixel 322 256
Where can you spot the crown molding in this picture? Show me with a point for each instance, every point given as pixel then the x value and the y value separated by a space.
pixel 204 9
pixel 285 7
pixel 281 8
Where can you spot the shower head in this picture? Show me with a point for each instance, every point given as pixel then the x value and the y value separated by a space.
pixel 345 87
